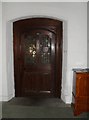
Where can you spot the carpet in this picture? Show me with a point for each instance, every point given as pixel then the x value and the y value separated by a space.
pixel 35 108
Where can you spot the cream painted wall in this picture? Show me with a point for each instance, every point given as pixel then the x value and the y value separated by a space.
pixel 88 34
pixel 74 17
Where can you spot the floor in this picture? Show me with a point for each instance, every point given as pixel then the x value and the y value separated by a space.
pixel 38 108
pixel 0 110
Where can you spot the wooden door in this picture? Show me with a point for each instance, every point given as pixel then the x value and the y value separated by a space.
pixel 38 57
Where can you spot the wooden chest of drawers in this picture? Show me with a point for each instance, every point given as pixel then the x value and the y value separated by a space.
pixel 80 92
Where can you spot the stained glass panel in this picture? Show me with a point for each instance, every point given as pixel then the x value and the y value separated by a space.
pixel 30 49
pixel 45 49
pixel 37 49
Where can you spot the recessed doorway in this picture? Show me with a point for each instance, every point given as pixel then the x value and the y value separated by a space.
pixel 37 57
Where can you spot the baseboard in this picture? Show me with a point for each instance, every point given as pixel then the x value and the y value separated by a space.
pixel 7 98
pixel 66 98
pixel 0 98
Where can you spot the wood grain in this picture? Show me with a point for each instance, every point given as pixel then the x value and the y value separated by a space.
pixel 38 77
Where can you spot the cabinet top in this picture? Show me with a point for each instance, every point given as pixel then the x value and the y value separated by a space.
pixel 81 70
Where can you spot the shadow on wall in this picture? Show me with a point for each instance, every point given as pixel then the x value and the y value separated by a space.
pixel 64 62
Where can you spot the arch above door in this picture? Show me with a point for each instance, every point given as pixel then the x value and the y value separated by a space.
pixel 37 57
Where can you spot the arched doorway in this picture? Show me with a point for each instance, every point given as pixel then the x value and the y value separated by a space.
pixel 38 57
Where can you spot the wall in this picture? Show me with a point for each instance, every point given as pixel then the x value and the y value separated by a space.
pixel 0 59
pixel 0 51
pixel 88 34
pixel 74 17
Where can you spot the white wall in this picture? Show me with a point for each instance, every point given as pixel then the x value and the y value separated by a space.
pixel 74 16
pixel 0 50
pixel 88 34
pixel 0 58
pixel 44 0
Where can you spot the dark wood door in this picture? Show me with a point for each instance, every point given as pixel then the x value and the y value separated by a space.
pixel 37 54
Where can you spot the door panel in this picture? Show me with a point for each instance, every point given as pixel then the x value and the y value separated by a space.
pixel 36 83
pixel 37 61
pixel 37 57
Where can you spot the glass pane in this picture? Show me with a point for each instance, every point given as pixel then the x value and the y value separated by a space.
pixel 30 49
pixel 45 49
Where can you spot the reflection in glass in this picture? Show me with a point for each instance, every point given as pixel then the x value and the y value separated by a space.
pixel 37 49
pixel 30 50
pixel 45 49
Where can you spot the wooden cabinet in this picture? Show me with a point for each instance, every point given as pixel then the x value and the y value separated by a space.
pixel 80 92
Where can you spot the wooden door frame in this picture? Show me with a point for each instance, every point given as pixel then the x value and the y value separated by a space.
pixel 52 25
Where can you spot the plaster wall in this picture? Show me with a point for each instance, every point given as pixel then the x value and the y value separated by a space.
pixel 0 51
pixel 0 60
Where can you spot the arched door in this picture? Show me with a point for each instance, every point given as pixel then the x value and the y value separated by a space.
pixel 38 57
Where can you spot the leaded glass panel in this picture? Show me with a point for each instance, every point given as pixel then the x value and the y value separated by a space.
pixel 45 49
pixel 37 49
pixel 30 49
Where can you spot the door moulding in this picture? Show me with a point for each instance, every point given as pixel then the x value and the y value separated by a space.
pixel 10 87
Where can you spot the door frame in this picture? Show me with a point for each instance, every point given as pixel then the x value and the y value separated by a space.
pixel 53 25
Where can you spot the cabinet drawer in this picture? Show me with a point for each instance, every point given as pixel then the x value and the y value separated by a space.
pixel 80 92
pixel 82 100
pixel 82 85
pixel 82 107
